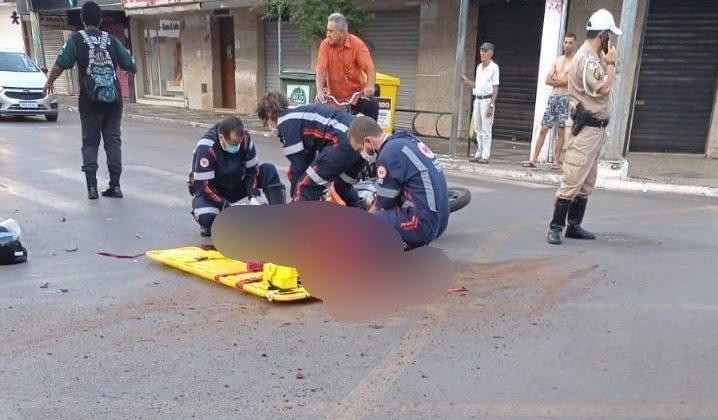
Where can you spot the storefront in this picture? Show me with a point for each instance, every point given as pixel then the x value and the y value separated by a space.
pixel 161 53
pixel 158 28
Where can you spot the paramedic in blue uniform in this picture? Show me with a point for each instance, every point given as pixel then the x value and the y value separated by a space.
pixel 314 139
pixel 411 187
pixel 225 169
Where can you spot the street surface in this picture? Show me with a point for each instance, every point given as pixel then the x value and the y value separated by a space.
pixel 616 328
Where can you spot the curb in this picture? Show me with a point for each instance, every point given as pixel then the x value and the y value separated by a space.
pixel 630 185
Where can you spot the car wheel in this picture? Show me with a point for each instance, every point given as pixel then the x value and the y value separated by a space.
pixel 51 117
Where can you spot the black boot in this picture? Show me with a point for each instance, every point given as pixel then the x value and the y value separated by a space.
pixel 91 180
pixel 575 217
pixel 114 192
pixel 558 222
pixel 276 194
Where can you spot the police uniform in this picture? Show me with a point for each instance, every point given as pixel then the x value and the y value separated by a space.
pixel 220 178
pixel 580 168
pixel 581 160
pixel 412 193
pixel 315 141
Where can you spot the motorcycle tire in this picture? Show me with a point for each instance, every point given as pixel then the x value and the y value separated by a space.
pixel 458 198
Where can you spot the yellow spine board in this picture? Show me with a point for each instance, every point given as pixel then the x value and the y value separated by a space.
pixel 274 282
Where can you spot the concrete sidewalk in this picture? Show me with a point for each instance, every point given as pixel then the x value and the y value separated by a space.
pixel 647 172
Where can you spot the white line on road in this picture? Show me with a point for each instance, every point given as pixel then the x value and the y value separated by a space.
pixel 132 191
pixel 39 196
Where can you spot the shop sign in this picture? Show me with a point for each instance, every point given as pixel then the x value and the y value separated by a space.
pixel 169 28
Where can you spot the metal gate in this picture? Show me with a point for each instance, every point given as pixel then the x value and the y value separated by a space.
pixel 295 55
pixel 515 30
pixel 53 41
pixel 677 78
pixel 393 38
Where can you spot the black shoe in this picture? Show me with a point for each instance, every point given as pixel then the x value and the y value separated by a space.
pixel 114 192
pixel 554 235
pixel 92 193
pixel 205 232
pixel 577 232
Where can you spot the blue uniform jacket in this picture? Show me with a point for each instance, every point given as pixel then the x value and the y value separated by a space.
pixel 222 176
pixel 410 177
pixel 305 130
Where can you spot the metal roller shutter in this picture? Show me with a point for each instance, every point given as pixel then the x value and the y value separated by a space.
pixel 295 55
pixel 677 78
pixel 53 41
pixel 393 38
pixel 515 30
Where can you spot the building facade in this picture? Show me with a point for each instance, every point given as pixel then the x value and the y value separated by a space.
pixel 211 54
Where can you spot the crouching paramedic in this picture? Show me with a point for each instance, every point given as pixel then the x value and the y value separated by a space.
pixel 315 142
pixel 225 169
pixel 411 187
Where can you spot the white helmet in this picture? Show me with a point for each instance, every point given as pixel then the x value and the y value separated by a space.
pixel 602 20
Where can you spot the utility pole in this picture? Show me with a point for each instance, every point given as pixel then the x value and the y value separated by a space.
pixel 458 71
pixel 37 47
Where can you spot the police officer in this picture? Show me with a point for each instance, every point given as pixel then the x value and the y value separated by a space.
pixel 412 193
pixel 225 170
pixel 315 141
pixel 590 82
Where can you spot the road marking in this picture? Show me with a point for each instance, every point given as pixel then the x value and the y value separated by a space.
pixel 360 400
pixel 39 196
pixel 131 191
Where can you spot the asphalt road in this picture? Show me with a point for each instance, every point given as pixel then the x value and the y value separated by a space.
pixel 616 328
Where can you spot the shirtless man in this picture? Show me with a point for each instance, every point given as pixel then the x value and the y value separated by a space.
pixel 558 105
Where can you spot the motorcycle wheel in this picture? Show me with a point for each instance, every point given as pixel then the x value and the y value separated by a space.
pixel 458 198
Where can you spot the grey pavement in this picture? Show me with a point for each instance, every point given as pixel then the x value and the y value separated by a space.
pixel 647 172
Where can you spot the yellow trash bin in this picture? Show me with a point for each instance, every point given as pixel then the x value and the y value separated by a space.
pixel 387 96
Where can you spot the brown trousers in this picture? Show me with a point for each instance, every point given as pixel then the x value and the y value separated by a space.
pixel 580 165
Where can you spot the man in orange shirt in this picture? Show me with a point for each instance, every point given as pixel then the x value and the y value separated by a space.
pixel 345 65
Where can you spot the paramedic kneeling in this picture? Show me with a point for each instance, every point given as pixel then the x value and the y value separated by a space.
pixel 411 187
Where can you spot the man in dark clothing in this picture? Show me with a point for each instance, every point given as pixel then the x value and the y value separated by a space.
pixel 315 142
pixel 225 169
pixel 411 190
pixel 97 54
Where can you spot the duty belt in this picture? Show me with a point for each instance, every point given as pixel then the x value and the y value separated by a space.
pixel 595 122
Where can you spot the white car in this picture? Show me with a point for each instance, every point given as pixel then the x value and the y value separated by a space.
pixel 21 86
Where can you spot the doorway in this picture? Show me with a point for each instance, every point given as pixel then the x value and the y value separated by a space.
pixel 227 61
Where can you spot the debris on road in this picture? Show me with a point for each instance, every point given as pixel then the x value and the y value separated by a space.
pixel 44 285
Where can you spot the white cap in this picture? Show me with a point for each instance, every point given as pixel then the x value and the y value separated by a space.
pixel 603 20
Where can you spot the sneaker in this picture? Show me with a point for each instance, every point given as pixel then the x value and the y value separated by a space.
pixel 205 232
pixel 92 193
pixel 114 192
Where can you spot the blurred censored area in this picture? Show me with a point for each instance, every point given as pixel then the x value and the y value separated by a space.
pixel 348 258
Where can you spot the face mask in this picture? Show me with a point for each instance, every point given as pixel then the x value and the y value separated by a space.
pixel 229 148
pixel 371 158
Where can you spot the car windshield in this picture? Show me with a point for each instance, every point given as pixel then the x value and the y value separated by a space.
pixel 17 62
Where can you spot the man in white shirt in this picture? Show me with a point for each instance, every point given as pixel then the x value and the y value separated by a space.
pixel 485 90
